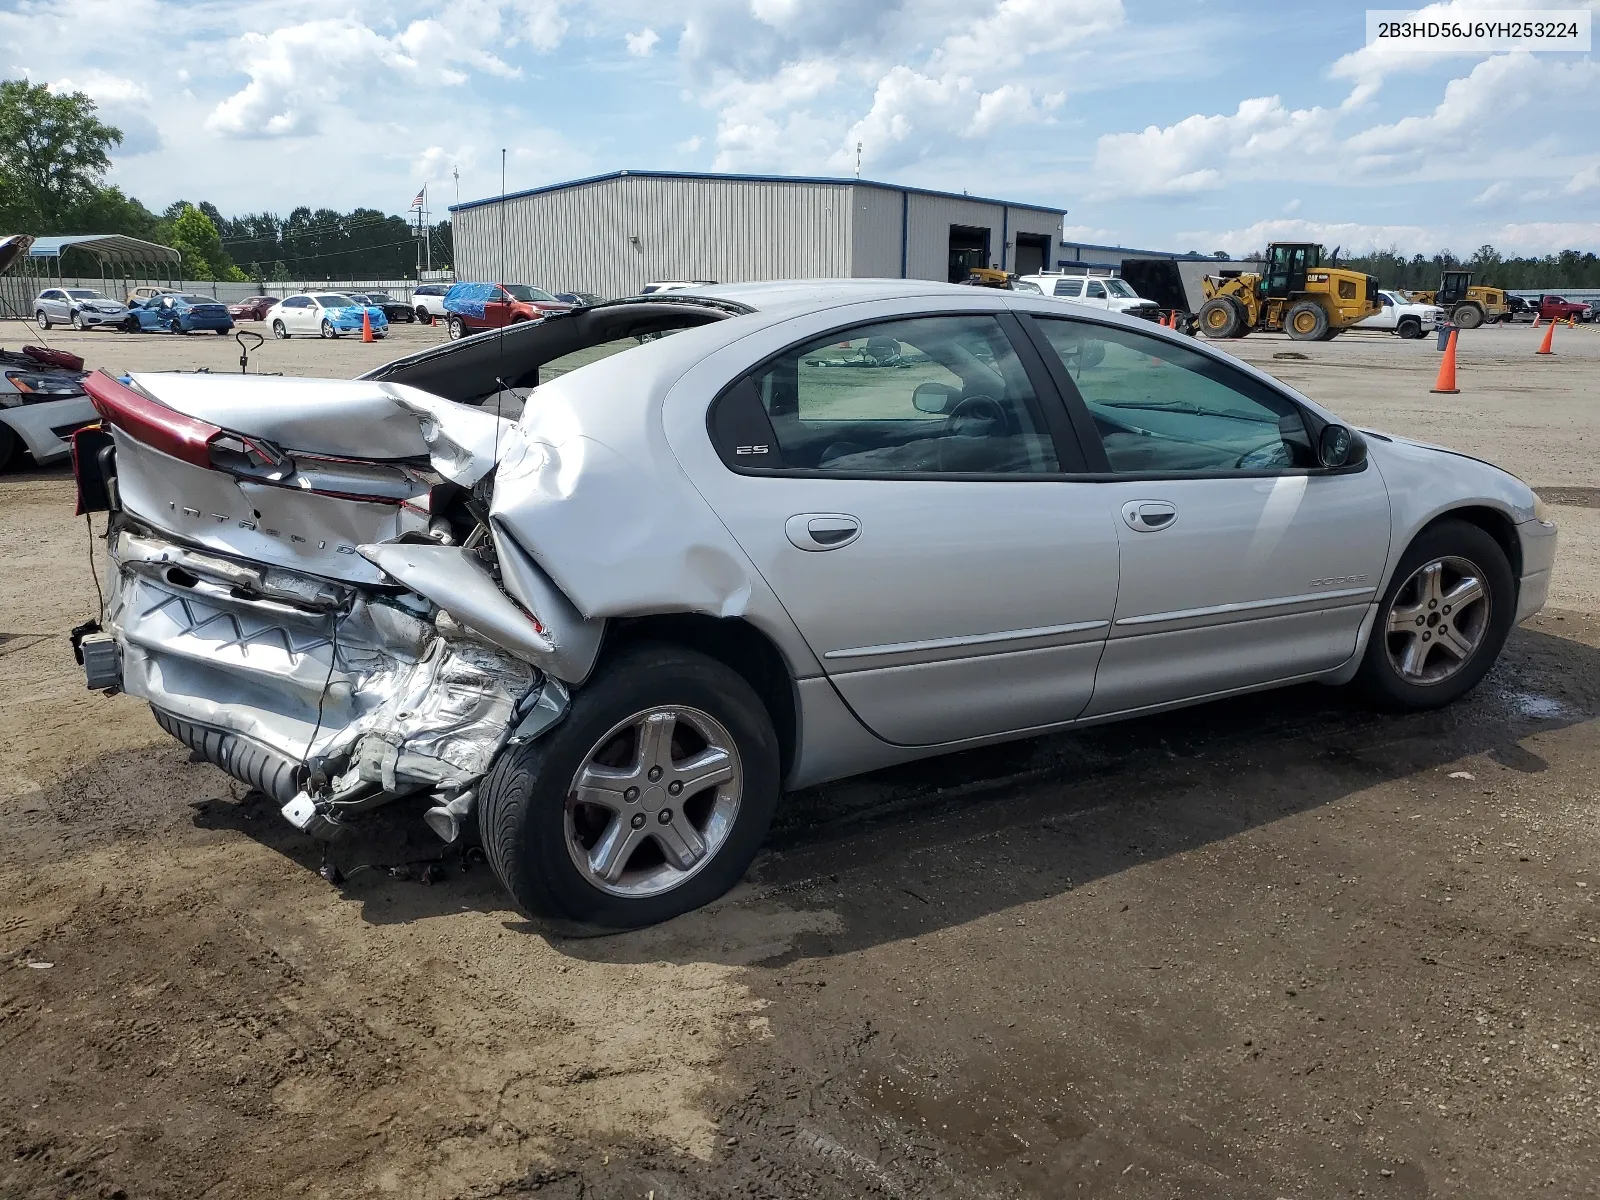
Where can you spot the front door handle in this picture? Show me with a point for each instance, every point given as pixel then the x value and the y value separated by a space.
pixel 822 531
pixel 1149 516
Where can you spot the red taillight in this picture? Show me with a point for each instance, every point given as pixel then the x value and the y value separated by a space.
pixel 156 425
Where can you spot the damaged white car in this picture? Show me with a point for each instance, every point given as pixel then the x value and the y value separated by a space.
pixel 822 527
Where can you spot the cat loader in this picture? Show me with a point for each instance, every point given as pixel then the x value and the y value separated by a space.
pixel 1295 294
pixel 1468 306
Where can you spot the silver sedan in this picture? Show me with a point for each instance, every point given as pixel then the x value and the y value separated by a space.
pixel 748 538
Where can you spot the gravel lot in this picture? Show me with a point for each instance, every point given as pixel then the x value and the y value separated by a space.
pixel 1277 947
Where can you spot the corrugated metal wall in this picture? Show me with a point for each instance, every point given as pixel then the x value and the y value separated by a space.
pixel 730 231
pixel 579 238
pixel 876 231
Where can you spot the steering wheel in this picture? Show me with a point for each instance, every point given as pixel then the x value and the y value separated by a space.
pixel 974 410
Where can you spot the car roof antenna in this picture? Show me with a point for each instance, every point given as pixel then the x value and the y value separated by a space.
pixel 244 350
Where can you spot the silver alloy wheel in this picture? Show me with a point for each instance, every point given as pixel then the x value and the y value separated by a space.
pixel 1437 620
pixel 653 801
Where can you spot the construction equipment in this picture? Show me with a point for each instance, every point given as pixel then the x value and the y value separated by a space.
pixel 1295 294
pixel 1468 306
pixel 989 277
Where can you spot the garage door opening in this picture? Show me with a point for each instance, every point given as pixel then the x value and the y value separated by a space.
pixel 969 250
pixel 1033 253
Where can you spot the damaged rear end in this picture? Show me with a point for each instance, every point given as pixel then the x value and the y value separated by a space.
pixel 307 589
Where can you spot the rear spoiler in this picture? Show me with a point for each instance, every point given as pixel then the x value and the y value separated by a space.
pixel 183 437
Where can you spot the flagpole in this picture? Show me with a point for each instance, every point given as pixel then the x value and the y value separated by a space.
pixel 427 233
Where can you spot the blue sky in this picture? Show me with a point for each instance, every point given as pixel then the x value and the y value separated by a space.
pixel 1208 125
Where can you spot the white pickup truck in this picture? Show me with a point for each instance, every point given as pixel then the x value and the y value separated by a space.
pixel 1097 291
pixel 1399 315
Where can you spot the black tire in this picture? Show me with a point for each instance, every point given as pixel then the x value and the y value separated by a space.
pixel 79 323
pixel 1409 328
pixel 41 320
pixel 422 317
pixel 177 327
pixel 8 445
pixel 279 332
pixel 223 332
pixel 522 810
pixel 130 325
pixel 1306 321
pixel 1446 538
pixel 458 329
pixel 1220 317
pixel 1468 316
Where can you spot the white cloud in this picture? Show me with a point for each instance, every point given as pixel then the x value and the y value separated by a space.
pixel 641 44
pixel 1545 237
pixel 122 103
pixel 1585 183
pixel 1194 154
pixel 1352 236
pixel 1017 29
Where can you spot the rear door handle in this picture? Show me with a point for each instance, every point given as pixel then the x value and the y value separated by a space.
pixel 822 531
pixel 1149 516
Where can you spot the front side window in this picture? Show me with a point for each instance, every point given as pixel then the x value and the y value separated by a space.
pixel 1096 290
pixel 1161 408
pixel 925 395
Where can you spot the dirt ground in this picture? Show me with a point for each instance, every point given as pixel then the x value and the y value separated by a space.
pixel 1276 947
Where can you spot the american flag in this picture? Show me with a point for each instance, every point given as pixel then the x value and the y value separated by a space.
pixel 417 203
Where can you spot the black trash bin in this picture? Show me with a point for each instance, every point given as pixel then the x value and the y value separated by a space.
pixel 1445 329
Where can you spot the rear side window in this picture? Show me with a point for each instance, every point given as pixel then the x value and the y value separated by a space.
pixel 926 395
pixel 1069 287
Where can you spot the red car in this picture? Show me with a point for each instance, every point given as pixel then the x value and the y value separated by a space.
pixel 253 309
pixel 474 307
pixel 1554 308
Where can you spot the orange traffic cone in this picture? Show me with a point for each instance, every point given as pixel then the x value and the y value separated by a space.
pixel 1572 322
pixel 1549 338
pixel 366 326
pixel 1446 383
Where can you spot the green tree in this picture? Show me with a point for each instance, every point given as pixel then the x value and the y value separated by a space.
pixel 54 152
pixel 195 236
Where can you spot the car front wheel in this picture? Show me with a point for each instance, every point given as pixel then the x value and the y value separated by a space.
pixel 79 323
pixel 279 332
pixel 1410 328
pixel 458 329
pixel 1444 618
pixel 41 319
pixel 648 800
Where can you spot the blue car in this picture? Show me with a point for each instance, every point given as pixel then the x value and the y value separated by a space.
pixel 178 314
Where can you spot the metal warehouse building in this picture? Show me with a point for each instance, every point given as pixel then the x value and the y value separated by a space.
pixel 614 233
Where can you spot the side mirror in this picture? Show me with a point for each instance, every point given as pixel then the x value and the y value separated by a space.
pixel 936 399
pixel 1336 447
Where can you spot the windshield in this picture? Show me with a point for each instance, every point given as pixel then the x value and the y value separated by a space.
pixel 336 302
pixel 529 295
pixel 84 294
pixel 1118 288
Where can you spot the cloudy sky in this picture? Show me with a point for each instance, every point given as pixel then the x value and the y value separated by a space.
pixel 1204 125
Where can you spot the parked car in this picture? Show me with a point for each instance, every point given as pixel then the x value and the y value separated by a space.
pixel 147 291
pixel 1555 308
pixel 323 314
pixel 640 612
pixel 84 308
pixel 674 285
pixel 41 404
pixel 580 299
pixel 1401 316
pixel 427 302
pixel 475 307
pixel 1096 291
pixel 1518 309
pixel 394 310
pixel 254 308
pixel 179 313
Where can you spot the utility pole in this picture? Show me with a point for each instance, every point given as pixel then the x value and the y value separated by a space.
pixel 858 160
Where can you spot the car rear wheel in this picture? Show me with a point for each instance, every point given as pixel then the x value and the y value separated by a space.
pixel 458 329
pixel 222 333
pixel 650 798
pixel 1409 328
pixel 1444 618
pixel 41 319
pixel 279 332
pixel 1306 321
pixel 328 331
pixel 423 317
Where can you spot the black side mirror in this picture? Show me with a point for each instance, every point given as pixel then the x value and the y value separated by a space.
pixel 1336 446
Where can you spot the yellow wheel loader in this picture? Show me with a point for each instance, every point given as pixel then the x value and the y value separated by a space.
pixel 1296 295
pixel 1468 306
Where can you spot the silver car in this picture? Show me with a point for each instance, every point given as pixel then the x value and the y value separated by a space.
pixel 82 308
pixel 750 538
pixel 41 406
